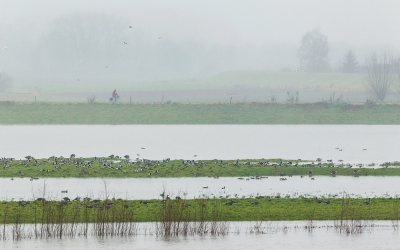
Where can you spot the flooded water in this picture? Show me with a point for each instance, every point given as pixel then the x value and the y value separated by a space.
pixel 151 188
pixel 350 143
pixel 278 235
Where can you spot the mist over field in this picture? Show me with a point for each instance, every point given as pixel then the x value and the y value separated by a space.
pixel 73 43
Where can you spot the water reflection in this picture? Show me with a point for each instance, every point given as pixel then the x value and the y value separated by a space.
pixel 295 236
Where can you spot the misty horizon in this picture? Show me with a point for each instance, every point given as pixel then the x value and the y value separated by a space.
pixel 171 40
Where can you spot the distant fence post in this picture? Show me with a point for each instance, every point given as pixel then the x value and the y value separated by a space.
pixel 35 99
pixel 130 99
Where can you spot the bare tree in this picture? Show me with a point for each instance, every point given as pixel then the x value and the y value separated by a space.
pixel 5 82
pixel 379 75
pixel 313 52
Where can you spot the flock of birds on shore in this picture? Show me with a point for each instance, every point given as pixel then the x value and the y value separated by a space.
pixel 152 167
pixel 106 204
pixel 144 164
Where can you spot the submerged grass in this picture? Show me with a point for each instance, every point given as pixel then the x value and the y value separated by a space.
pixel 179 113
pixel 170 212
pixel 55 167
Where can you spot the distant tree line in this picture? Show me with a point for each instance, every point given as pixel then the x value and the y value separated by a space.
pixel 313 54
pixel 382 71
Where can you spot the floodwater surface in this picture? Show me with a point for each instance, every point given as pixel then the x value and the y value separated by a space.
pixel 350 143
pixel 151 188
pixel 278 235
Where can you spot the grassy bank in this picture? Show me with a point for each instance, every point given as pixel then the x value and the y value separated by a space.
pixel 54 167
pixel 339 82
pixel 178 113
pixel 40 211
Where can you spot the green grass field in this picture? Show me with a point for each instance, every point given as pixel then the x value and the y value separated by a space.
pixel 118 168
pixel 177 113
pixel 249 209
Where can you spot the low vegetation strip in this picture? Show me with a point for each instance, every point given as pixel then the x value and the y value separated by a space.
pixel 117 167
pixel 179 113
pixel 179 210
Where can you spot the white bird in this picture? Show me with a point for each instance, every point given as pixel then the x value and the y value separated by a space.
pixel 4 47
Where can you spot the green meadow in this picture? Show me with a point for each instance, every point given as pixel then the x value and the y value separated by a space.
pixel 179 113
pixel 174 210
pixel 246 168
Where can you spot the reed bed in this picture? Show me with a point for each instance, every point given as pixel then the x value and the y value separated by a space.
pixel 28 231
pixel 43 219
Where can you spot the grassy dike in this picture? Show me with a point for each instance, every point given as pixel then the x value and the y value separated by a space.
pixel 117 168
pixel 179 113
pixel 249 209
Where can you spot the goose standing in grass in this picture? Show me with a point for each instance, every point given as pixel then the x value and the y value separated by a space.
pixel 368 201
pixel 231 202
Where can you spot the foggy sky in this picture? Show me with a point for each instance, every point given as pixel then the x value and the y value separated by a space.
pixel 175 39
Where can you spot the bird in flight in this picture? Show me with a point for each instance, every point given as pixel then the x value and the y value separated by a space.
pixel 130 27
pixel 125 43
